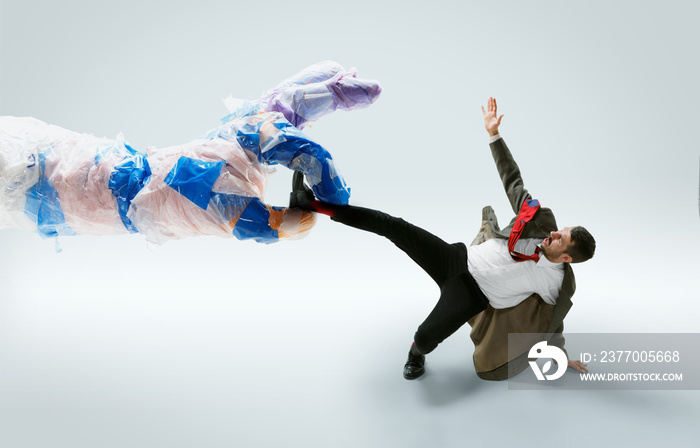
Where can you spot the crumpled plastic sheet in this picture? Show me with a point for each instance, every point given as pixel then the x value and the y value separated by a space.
pixel 59 182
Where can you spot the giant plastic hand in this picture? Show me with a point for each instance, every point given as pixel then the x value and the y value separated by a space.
pixel 60 182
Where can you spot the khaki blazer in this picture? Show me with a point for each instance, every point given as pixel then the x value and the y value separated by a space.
pixel 490 328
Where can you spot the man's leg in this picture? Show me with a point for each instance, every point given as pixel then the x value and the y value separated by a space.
pixel 460 300
pixel 438 258
pixel 460 296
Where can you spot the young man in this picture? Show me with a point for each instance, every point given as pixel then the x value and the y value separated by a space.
pixel 519 275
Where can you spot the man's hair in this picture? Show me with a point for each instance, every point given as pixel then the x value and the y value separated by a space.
pixel 582 246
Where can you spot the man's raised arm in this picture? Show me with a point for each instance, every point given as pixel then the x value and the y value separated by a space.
pixel 507 168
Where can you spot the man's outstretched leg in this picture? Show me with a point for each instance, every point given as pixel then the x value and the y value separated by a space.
pixel 460 297
pixel 437 258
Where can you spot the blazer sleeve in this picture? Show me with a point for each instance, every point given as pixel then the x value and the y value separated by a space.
pixel 558 339
pixel 510 175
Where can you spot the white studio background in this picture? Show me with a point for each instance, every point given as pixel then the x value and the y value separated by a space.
pixel 218 343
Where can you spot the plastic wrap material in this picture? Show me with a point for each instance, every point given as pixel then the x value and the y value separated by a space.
pixel 59 182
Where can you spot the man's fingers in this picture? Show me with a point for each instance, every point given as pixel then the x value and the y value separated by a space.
pixel 491 106
pixel 581 366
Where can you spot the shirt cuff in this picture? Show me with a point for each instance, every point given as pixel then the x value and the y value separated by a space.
pixel 493 138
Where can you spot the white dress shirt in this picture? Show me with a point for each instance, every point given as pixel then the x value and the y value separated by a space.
pixel 507 282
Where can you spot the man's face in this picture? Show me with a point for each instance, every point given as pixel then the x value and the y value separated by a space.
pixel 555 246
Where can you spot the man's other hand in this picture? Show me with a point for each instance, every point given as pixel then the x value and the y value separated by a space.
pixel 491 119
pixel 578 365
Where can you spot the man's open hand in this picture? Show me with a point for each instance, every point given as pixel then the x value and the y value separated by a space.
pixel 578 365
pixel 491 119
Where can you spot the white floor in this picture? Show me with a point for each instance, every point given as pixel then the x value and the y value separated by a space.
pixel 304 349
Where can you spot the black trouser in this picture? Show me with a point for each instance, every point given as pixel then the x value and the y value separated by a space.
pixel 460 296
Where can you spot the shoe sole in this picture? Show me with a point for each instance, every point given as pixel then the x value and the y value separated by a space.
pixel 414 376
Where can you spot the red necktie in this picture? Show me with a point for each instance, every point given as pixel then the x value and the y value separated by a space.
pixel 527 211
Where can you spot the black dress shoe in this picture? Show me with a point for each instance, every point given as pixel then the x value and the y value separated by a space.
pixel 414 367
pixel 301 195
